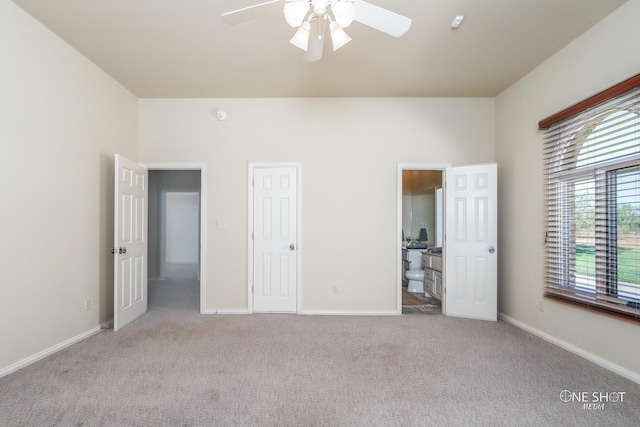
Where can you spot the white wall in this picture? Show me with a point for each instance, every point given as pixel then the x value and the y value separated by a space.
pixel 349 150
pixel 182 227
pixel 605 55
pixel 61 121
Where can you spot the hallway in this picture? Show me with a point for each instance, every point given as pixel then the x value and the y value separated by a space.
pixel 180 290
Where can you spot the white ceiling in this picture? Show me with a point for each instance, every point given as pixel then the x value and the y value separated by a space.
pixel 182 49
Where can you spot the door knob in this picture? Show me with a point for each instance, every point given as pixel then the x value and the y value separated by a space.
pixel 292 247
pixel 123 250
pixel 491 249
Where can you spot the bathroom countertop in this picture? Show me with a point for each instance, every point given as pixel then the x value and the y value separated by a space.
pixel 438 254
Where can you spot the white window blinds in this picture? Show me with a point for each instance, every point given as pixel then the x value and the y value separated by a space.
pixel 592 211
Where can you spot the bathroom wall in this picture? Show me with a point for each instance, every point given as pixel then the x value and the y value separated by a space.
pixel 419 188
pixel 422 214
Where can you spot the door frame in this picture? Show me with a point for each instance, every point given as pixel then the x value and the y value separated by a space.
pixel 202 167
pixel 402 167
pixel 251 167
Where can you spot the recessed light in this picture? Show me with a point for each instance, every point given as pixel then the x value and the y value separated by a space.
pixel 457 21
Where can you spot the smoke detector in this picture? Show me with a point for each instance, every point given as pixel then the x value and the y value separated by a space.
pixel 457 21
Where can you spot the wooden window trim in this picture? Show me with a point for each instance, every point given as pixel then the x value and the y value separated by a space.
pixel 596 99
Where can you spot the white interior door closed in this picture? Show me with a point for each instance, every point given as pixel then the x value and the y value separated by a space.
pixel 130 242
pixel 471 241
pixel 275 239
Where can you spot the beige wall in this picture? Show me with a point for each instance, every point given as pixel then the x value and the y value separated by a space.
pixel 61 121
pixel 348 149
pixel 605 55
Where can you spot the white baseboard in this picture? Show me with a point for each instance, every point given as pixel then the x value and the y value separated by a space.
pixel 224 311
pixel 348 313
pixel 310 312
pixel 53 349
pixel 573 349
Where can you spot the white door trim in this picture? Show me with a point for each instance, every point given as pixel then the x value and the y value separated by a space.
pixel 250 172
pixel 202 167
pixel 402 167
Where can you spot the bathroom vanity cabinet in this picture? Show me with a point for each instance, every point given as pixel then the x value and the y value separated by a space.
pixel 432 265
pixel 406 265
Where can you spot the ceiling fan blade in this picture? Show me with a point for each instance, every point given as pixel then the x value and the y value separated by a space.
pixel 253 12
pixel 381 19
pixel 316 41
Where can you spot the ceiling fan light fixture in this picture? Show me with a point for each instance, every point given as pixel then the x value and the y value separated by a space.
pixel 344 12
pixel 338 36
pixel 295 11
pixel 311 18
pixel 301 37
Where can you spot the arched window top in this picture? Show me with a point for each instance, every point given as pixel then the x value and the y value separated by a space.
pixel 612 135
pixel 592 192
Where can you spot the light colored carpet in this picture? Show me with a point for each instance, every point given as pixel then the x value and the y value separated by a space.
pixel 175 367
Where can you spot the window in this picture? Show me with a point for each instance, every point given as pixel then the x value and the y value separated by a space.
pixel 592 183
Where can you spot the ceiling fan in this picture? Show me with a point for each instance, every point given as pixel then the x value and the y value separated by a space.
pixel 312 17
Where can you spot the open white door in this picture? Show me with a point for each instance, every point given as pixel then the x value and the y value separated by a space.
pixel 275 239
pixel 470 242
pixel 130 242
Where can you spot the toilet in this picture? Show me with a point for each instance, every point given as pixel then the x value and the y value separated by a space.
pixel 415 274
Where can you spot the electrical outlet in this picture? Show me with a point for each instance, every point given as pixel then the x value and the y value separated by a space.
pixel 87 305
pixel 541 305
pixel 335 288
pixel 221 223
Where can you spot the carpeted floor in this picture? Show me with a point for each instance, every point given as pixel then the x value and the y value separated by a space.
pixel 175 367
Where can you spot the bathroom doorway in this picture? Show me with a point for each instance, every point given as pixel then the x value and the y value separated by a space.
pixel 420 228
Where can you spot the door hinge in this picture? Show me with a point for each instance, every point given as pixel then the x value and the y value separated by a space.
pixel 252 292
pixel 252 235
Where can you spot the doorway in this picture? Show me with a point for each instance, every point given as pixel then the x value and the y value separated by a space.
pixel 420 228
pixel 468 263
pixel 176 260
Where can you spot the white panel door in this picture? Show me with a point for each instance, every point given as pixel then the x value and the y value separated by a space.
pixel 275 241
pixel 471 241
pixel 130 235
